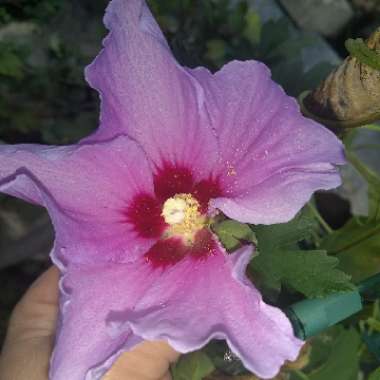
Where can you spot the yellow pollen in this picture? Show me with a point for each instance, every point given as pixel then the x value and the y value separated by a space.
pixel 230 169
pixel 182 214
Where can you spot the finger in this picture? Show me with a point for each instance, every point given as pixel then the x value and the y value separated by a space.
pixel 36 313
pixel 166 377
pixel 30 336
pixel 148 361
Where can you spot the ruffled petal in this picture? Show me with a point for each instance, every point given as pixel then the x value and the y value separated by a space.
pixel 280 197
pixel 86 190
pixel 196 300
pixel 146 94
pixel 85 347
pixel 187 304
pixel 272 158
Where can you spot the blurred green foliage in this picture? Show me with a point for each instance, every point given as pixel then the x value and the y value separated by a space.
pixel 38 11
pixel 43 95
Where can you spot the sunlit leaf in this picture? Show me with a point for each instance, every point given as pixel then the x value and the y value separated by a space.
pixel 193 366
pixel 233 234
pixel 358 49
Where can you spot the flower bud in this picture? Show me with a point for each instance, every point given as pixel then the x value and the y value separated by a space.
pixel 350 96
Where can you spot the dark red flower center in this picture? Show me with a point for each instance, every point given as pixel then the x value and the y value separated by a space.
pixel 148 215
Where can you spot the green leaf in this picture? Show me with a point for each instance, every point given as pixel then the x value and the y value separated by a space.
pixel 315 75
pixel 273 34
pixel 375 375
pixel 5 17
pixel 10 63
pixel 287 235
pixel 193 366
pixel 358 49
pixel 312 273
pixel 370 329
pixel 357 245
pixel 341 360
pixel 373 181
pixel 282 262
pixel 284 75
pixel 232 234
pixel 374 324
pixel 216 50
pixel 235 17
pixel 252 29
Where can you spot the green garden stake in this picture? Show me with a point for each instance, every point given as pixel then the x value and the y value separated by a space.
pixel 310 317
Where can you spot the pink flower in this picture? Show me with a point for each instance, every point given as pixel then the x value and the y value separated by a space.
pixel 131 204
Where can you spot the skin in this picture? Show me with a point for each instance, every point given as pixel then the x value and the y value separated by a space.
pixel 29 342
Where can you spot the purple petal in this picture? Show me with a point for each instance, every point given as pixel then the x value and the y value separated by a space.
pixel 146 94
pixel 272 158
pixel 86 189
pixel 280 197
pixel 85 348
pixel 194 301
pixel 186 304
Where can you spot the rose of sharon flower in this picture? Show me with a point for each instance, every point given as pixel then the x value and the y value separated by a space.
pixel 132 204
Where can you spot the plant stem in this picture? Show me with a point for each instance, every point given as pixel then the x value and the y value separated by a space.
pixel 368 235
pixel 375 316
pixel 323 223
pixel 300 374
pixel 372 127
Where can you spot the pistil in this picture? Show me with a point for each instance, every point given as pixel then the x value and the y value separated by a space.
pixel 182 214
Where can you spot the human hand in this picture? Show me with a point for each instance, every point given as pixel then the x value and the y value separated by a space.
pixel 30 338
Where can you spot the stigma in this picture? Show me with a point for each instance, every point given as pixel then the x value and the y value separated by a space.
pixel 182 214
